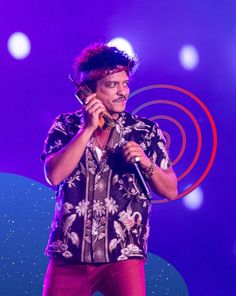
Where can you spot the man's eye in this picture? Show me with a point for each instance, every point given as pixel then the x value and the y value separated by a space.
pixel 111 84
pixel 126 83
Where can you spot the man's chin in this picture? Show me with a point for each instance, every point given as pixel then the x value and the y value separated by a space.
pixel 117 110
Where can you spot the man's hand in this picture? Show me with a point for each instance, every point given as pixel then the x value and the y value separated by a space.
pixel 162 182
pixel 93 110
pixel 133 152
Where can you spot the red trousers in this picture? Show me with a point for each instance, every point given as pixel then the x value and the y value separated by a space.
pixel 122 278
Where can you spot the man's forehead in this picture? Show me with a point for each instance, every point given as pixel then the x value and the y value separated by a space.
pixel 117 76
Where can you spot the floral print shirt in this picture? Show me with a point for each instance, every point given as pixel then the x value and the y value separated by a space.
pixel 101 213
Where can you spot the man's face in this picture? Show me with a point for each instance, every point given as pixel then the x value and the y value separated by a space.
pixel 113 91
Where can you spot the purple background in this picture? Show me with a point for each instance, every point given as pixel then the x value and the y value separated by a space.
pixel 201 244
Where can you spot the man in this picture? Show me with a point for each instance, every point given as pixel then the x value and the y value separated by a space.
pixel 98 239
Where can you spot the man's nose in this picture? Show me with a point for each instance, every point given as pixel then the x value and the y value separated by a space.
pixel 121 89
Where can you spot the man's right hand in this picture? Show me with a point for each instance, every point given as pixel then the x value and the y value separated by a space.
pixel 92 111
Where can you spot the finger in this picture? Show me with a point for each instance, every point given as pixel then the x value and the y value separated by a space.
pixel 91 102
pixel 130 157
pixel 130 154
pixel 133 159
pixel 89 98
pixel 97 113
pixel 133 148
pixel 94 104
pixel 96 108
pixel 136 151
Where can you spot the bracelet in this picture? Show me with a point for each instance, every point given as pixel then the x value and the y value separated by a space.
pixel 149 172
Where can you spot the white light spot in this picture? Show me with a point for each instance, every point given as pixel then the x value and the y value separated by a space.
pixel 194 199
pixel 189 57
pixel 19 45
pixel 122 44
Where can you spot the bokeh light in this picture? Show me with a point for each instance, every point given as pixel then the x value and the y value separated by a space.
pixel 122 44
pixel 194 200
pixel 189 57
pixel 19 45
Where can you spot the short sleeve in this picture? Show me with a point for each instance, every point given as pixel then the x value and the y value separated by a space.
pixel 57 137
pixel 158 150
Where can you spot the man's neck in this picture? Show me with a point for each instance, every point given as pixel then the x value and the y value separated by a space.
pixel 115 116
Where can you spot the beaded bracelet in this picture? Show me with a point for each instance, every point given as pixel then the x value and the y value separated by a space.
pixel 149 172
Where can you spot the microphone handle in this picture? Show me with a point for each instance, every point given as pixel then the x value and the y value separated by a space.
pixel 140 175
pixel 144 184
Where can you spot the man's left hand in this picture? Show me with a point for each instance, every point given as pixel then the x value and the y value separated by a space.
pixel 133 152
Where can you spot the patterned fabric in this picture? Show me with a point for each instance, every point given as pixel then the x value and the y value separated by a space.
pixel 101 214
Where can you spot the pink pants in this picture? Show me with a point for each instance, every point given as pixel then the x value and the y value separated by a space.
pixel 122 278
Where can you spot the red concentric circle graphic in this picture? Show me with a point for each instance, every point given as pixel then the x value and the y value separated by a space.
pixel 182 131
pixel 168 138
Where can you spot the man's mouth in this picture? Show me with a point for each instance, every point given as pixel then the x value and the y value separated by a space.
pixel 123 99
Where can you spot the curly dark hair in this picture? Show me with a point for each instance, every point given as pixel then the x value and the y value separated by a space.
pixel 99 59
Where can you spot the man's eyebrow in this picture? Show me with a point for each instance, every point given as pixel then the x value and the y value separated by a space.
pixel 117 80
